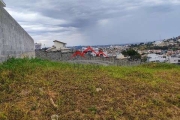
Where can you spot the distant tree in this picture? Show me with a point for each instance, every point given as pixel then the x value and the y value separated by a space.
pixel 174 49
pixel 132 53
pixel 134 45
pixel 144 59
pixel 141 44
pixel 159 48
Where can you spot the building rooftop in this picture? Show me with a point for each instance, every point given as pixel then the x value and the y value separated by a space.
pixel 2 3
pixel 59 41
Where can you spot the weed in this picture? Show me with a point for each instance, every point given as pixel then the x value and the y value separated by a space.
pixel 38 89
pixel 93 109
pixel 3 116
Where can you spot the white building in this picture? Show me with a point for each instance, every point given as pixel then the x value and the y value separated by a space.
pixel 171 42
pixel 174 59
pixel 59 46
pixel 38 46
pixel 120 56
pixel 157 43
pixel 156 58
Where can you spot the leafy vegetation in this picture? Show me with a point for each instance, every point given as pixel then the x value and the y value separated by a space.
pixel 39 89
pixel 132 53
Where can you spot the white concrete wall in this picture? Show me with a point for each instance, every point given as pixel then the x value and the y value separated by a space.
pixel 14 40
pixel 2 3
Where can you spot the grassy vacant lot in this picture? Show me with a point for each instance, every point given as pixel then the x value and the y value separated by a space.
pixel 37 89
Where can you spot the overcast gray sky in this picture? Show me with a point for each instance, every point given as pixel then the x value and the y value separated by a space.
pixel 95 22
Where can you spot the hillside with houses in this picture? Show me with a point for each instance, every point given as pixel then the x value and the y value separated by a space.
pixel 167 50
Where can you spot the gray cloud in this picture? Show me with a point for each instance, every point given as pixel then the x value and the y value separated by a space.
pixel 159 9
pixel 92 22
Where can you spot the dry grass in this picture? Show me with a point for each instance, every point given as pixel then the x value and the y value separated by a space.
pixel 37 89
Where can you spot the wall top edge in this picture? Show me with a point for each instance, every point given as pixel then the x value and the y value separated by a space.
pixel 2 3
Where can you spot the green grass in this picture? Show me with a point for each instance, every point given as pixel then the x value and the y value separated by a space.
pixel 36 89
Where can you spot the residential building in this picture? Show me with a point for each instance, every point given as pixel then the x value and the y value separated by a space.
pixel 59 46
pixel 38 46
pixel 120 56
pixel 174 59
pixel 171 42
pixel 157 43
pixel 156 58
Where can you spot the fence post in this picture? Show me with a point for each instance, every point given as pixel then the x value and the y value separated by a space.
pixel 113 60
